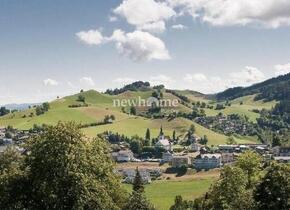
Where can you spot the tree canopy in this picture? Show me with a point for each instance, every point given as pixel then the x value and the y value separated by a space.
pixel 63 170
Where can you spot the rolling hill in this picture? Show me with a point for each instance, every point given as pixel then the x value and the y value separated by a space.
pixel 98 105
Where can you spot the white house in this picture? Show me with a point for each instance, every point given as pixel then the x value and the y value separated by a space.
pixel 282 159
pixel 123 156
pixel 129 175
pixel 164 143
pixel 208 161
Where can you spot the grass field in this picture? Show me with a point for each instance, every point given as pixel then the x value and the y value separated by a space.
pixel 138 126
pixel 162 193
pixel 243 109
pixel 102 104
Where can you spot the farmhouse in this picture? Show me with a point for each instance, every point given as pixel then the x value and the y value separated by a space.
pixel 123 156
pixel 281 151
pixel 129 175
pixel 164 143
pixel 208 161
pixel 282 159
pixel 178 161
pixel 227 158
pixel 225 148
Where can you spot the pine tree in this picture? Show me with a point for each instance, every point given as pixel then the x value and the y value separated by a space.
pixel 179 204
pixel 138 201
pixel 147 136
pixel 161 131
pixel 174 135
pixel 138 183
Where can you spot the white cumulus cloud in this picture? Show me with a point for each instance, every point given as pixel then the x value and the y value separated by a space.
pixel 155 27
pixel 195 77
pixel 266 13
pixel 50 82
pixel 87 81
pixel 91 37
pixel 161 79
pixel 212 84
pixel 140 12
pixel 140 46
pixel 282 69
pixel 137 45
pixel 249 75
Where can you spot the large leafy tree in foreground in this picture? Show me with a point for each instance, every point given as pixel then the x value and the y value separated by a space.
pixel 273 192
pixel 64 170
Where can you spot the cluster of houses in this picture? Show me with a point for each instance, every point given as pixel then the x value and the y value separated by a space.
pixel 281 154
pixel 201 159
pixel 15 138
pixel 199 162
pixel 227 124
pixel 147 174
pixel 126 155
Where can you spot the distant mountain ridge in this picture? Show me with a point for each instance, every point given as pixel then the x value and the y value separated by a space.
pixel 19 107
pixel 277 88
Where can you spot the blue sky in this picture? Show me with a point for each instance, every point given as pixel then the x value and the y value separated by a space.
pixel 54 48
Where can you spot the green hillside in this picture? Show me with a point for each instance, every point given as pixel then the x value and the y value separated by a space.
pixel 99 105
pixel 244 106
pixel 276 88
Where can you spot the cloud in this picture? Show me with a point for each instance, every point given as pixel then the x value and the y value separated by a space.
pixel 247 76
pixel 113 18
pixel 161 79
pixel 50 82
pixel 91 37
pixel 155 27
pixel 282 69
pixel 266 13
pixel 123 81
pixel 140 12
pixel 200 82
pixel 140 46
pixel 195 77
pixel 87 81
pixel 137 45
pixel 179 27
pixel 203 83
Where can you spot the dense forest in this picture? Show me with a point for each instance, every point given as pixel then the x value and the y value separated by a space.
pixel 135 86
pixel 273 89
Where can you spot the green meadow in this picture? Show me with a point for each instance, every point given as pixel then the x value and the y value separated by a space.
pixel 162 193
pixel 101 105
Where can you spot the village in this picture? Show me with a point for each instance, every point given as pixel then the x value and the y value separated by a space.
pixel 228 124
pixel 174 158
pixel 196 156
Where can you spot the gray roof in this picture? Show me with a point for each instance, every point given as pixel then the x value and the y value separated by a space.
pixel 282 158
